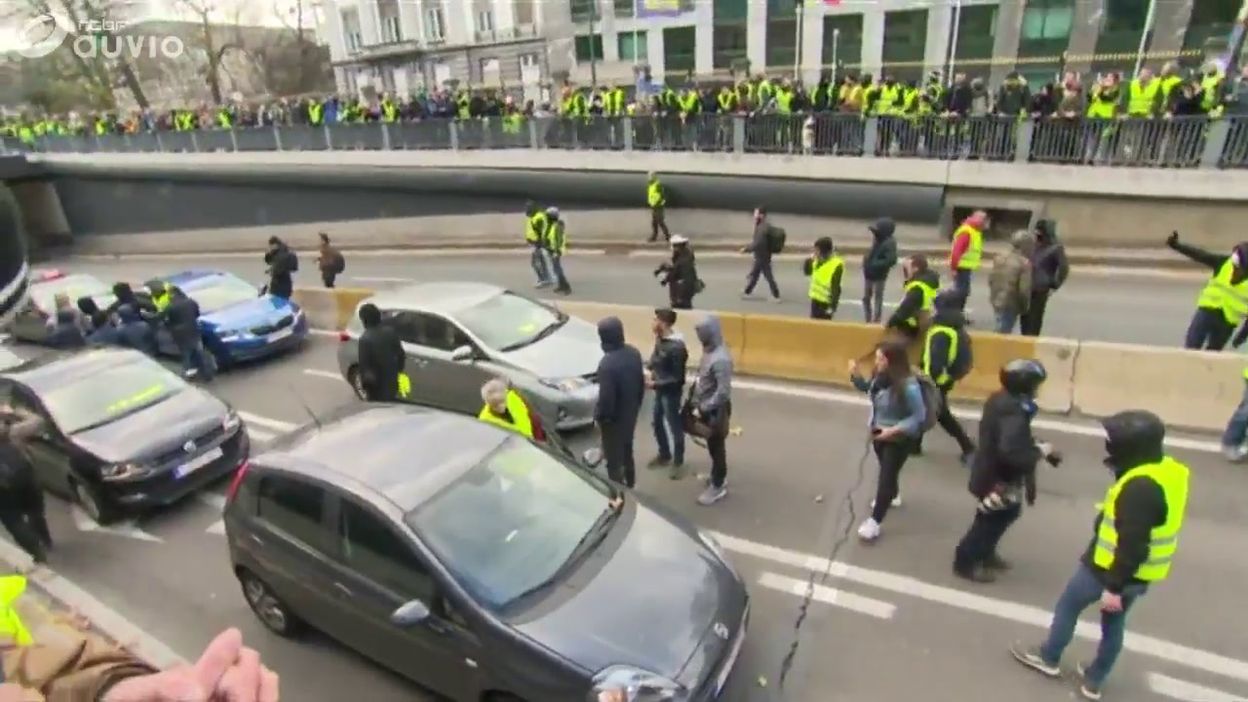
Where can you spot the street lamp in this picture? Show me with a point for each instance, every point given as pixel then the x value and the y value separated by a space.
pixel 797 40
pixel 836 52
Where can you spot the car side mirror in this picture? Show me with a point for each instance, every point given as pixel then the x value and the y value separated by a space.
pixel 592 457
pixel 463 354
pixel 410 614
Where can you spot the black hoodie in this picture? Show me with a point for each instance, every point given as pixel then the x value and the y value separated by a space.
pixel 621 380
pixel 880 259
pixel 1049 266
pixel 936 351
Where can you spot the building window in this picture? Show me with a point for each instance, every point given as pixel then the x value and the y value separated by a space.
pixel 679 49
pixel 351 35
pixel 524 12
pixel 730 10
pixel 1045 32
pixel 490 69
pixel 781 33
pixel 905 42
pixel 588 48
pixel 728 45
pixel 435 24
pixel 530 59
pixel 584 10
pixel 485 21
pixel 977 30
pixel 1122 25
pixel 632 46
pixel 624 8
pixel 1210 24
pixel 842 40
pixel 391 30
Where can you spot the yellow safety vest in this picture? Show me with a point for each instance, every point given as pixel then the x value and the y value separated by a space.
pixel 888 101
pixel 11 588
pixel 784 101
pixel 1211 95
pixel 405 385
pixel 519 411
pixel 1101 107
pixel 974 251
pixel 1168 84
pixel 389 111
pixel 535 227
pixel 316 113
pixel 821 276
pixel 557 237
pixel 654 195
pixel 224 119
pixel 1143 98
pixel 160 300
pixel 1221 293
pixel 929 299
pixel 1173 478
pixel 727 101
pixel 953 352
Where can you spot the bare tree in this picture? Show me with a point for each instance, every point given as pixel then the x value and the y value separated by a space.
pixel 207 39
pixel 296 19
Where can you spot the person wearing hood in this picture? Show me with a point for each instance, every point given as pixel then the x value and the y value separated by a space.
pixel 1049 269
pixel 1134 541
pixel 1013 96
pixel 825 270
pixel 1003 471
pixel 100 329
pixel 710 403
pixel 282 263
pixel 382 358
pixel 1009 284
pixel 947 358
pixel 680 275
pixel 877 264
pixel 665 374
pixel 621 388
pixel 1223 303
pixel 967 251
pixel 914 311
pixel 181 318
pixel 556 246
pixel 535 225
pixel 135 318
pixel 761 248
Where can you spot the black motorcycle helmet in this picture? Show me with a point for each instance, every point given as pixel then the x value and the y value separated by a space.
pixel 1133 438
pixel 1023 376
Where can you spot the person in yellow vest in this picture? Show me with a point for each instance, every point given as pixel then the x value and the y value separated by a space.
pixel 825 269
pixel 1211 90
pixel 389 110
pixel 1223 303
pixel 535 225
pixel 727 101
pixel 556 246
pixel 1235 437
pixel 1103 106
pixel 159 291
pixel 967 251
pixel 947 358
pixel 1135 539
pixel 1171 78
pixel 656 200
pixel 504 407
pixel 914 312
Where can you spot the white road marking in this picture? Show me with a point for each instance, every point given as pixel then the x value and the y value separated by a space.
pixel 839 598
pixel 1003 609
pixel 1174 688
pixel 266 423
pixel 260 434
pixel 127 528
pixel 217 502
pixel 325 332
pixel 329 375
pixel 372 279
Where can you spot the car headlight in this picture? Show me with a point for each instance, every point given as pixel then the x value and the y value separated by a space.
pixel 232 422
pixel 123 471
pixel 566 384
pixel 622 683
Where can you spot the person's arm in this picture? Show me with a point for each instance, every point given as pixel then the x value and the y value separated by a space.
pixel 1024 288
pixel 910 305
pixel 913 423
pixel 74 665
pixel 608 397
pixel 888 254
pixel 835 299
pixel 1061 266
pixel 860 383
pixel 1016 447
pixel 808 266
pixel 1140 508
pixel 1197 254
pixel 723 388
pixel 937 355
pixel 961 244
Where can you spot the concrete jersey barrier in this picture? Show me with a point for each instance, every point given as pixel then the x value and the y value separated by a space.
pixel 1189 389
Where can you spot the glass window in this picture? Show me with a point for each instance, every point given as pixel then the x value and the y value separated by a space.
pixel 95 400
pixel 632 46
pixel 217 292
pixel 588 48
pixel 435 25
pixel 1211 22
pixel 905 42
pixel 292 506
pixel 507 322
pixel 977 29
pixel 583 10
pixel 728 11
pixel 679 49
pixel 729 42
pixel 1048 19
pixel 426 330
pixel 372 548
pixel 75 286
pixel 1122 25
pixel 624 8
pixel 842 40
pixel 781 42
pixel 511 523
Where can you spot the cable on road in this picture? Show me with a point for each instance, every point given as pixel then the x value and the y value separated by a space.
pixel 819 578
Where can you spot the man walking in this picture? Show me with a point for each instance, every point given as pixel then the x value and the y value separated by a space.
pixel 1009 284
pixel 877 263
pixel 1135 538
pixel 535 225
pixel 967 251
pixel 282 264
pixel 381 358
pixel 1049 268
pixel 762 246
pixel 656 198
pixel 711 404
pixel 946 360
pixel 22 509
pixel 621 386
pixel 556 247
pixel 666 376
pixel 825 270
pixel 329 261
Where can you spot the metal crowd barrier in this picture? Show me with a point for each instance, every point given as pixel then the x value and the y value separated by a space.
pixel 1181 142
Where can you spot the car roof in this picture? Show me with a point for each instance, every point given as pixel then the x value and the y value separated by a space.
pixel 56 369
pixel 443 297
pixel 406 453
pixel 68 277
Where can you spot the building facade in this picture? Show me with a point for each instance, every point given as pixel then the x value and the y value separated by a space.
pixel 680 39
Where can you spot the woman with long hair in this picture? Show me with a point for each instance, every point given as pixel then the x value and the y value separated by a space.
pixel 897 415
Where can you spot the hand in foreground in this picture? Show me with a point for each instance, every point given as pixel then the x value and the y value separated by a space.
pixel 1111 602
pixel 225 672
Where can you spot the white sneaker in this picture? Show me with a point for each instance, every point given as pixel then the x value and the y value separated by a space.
pixel 896 501
pixel 1234 454
pixel 870 530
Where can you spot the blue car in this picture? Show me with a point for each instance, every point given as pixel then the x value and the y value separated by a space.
pixel 238 323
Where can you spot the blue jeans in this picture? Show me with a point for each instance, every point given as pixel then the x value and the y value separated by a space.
pixel 1082 591
pixel 556 266
pixel 1006 320
pixel 667 419
pixel 195 357
pixel 962 283
pixel 540 263
pixel 1237 428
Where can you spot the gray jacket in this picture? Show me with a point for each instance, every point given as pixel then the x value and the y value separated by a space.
pixel 712 389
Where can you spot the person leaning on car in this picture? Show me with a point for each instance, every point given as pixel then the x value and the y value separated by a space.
pixel 381 357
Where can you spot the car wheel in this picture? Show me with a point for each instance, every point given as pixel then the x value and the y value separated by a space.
pixel 96 507
pixel 270 610
pixel 353 377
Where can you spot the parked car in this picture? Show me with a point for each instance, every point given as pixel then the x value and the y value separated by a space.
pixel 31 323
pixel 123 433
pixel 238 323
pixel 479 564
pixel 459 335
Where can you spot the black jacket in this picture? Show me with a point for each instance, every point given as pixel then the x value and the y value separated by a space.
pixel 282 264
pixel 912 302
pixel 621 380
pixel 681 275
pixel 936 353
pixel 760 245
pixel 1140 508
pixel 181 317
pixel 381 361
pixel 879 260
pixel 1049 266
pixel 1007 454
pixel 669 362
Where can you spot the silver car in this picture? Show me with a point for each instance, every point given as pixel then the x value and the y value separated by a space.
pixel 31 323
pixel 459 335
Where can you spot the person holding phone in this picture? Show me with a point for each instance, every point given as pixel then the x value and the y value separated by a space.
pixel 897 415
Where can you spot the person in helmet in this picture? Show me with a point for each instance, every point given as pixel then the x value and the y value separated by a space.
pixel 1003 471
pixel 1134 540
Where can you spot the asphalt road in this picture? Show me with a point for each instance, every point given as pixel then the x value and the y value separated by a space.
pixel 1120 305
pixel 900 628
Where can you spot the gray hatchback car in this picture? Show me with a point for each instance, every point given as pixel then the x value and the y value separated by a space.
pixel 459 335
pixel 480 565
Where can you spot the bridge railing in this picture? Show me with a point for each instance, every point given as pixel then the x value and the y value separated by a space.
pixel 1181 142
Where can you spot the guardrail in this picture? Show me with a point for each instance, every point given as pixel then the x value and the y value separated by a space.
pixel 1191 389
pixel 1181 142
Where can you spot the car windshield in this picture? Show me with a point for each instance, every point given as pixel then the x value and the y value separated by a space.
pixel 75 286
pixel 511 523
pixel 507 322
pixel 220 291
pixel 100 398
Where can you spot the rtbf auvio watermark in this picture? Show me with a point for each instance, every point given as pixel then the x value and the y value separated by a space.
pixel 45 33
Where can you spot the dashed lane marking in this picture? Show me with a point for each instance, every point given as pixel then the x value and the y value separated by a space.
pixel 1174 688
pixel 328 375
pixel 217 503
pixel 1179 654
pixel 828 595
pixel 275 425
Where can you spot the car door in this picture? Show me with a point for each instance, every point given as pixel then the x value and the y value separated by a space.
pixel 51 454
pixel 406 326
pixel 457 384
pixel 379 571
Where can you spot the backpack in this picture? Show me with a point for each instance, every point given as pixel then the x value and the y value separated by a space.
pixel 340 262
pixel 965 360
pixel 931 400
pixel 294 261
pixel 775 239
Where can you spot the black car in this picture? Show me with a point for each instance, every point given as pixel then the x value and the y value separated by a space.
pixel 123 432
pixel 481 565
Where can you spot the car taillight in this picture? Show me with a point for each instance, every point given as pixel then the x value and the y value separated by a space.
pixel 239 475
pixel 344 336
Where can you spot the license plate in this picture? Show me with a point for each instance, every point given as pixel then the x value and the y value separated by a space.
pixel 280 334
pixel 199 462
pixel 731 661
